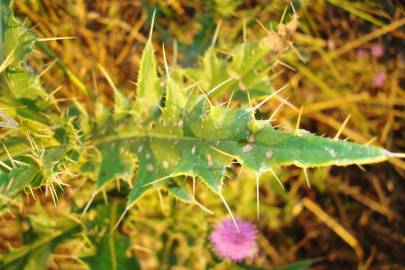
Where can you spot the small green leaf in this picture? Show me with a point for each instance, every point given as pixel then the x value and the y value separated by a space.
pixel 102 116
pixel 149 92
pixel 19 178
pixel 38 259
pixel 251 68
pixel 24 84
pixel 17 40
pixel 211 71
pixel 111 255
pixel 300 265
pixel 121 105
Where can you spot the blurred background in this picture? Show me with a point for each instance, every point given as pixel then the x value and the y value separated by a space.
pixel 348 59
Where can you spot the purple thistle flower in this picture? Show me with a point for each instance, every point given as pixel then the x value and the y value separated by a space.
pixel 377 50
pixel 229 243
pixel 379 79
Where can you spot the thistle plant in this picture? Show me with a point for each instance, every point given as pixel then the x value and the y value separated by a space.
pixel 171 135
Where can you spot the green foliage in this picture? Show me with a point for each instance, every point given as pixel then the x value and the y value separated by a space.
pixel 108 251
pixel 39 150
pixel 188 136
pixel 111 247
pixel 111 254
pixel 45 234
pixel 247 66
pixel 149 92
pixel 178 133
pixel 168 135
pixel 17 43
pixel 301 265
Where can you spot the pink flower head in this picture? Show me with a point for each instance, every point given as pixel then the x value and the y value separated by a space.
pixel 361 53
pixel 379 79
pixel 377 50
pixel 229 243
pixel 331 44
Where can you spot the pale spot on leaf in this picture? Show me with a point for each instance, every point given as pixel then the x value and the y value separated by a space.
pixel 210 161
pixel 247 148
pixel 149 168
pixel 331 151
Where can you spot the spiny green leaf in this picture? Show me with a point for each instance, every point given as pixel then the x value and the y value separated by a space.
pixel 149 92
pixel 18 41
pixel 247 65
pixel 226 7
pixel 15 37
pixel 102 116
pixel 190 137
pixel 208 140
pixel 24 84
pixel 121 105
pixel 175 101
pixel 210 72
pixel 11 182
